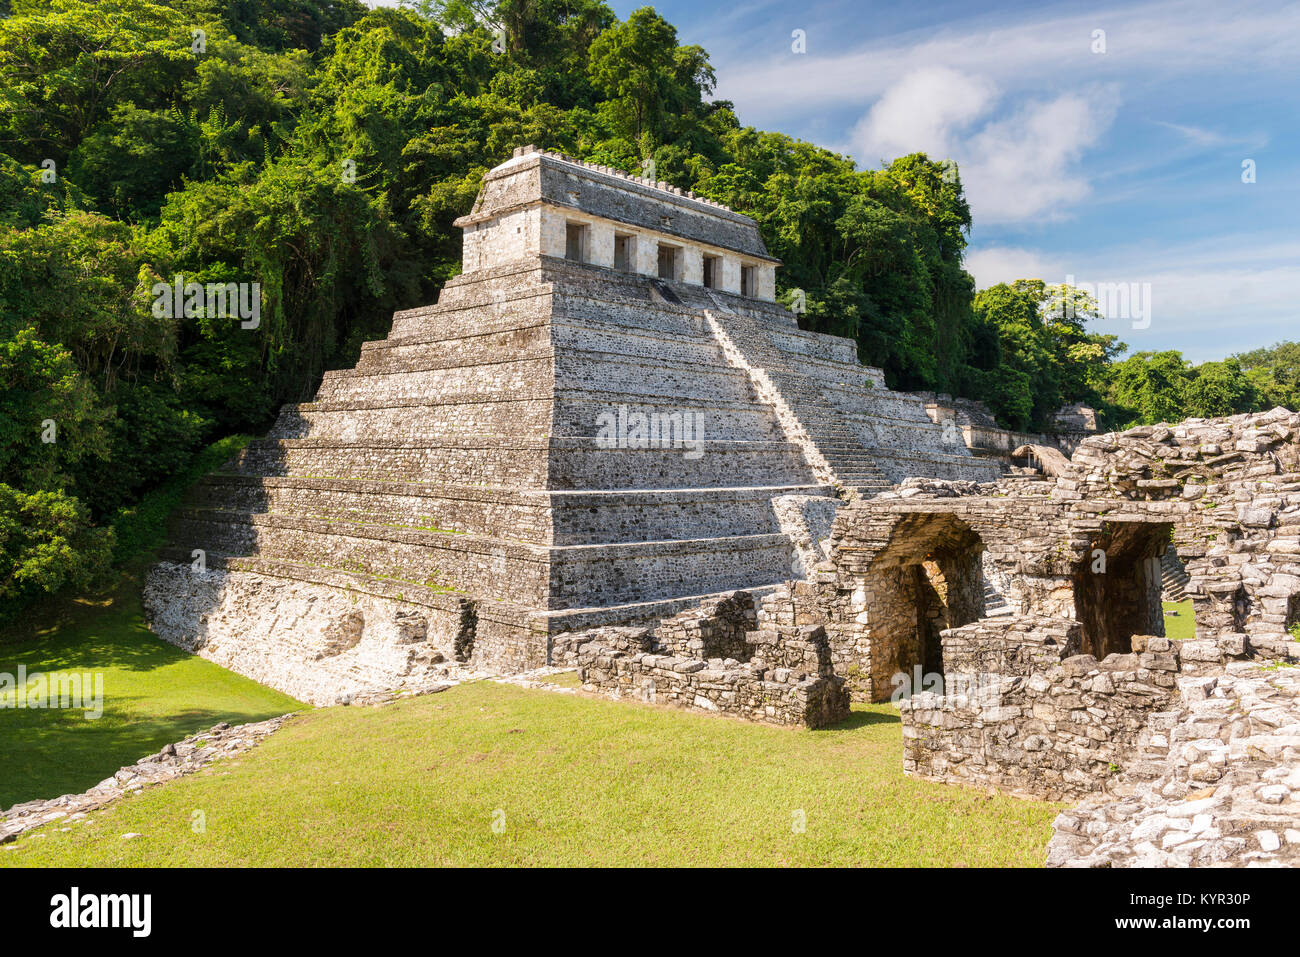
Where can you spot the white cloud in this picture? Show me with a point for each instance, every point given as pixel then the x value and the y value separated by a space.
pixel 1018 103
pixel 1195 134
pixel 1019 166
pixel 994 264
pixel 1153 39
pixel 1025 166
pixel 923 111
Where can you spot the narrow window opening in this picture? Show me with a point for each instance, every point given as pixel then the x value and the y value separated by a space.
pixel 668 261
pixel 624 249
pixel 575 242
pixel 712 271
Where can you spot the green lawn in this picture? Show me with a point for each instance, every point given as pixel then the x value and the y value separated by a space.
pixel 153 694
pixel 572 779
pixel 1183 625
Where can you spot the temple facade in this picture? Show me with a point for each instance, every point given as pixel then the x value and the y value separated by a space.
pixel 604 420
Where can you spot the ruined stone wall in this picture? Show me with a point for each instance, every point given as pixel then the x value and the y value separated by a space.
pixel 780 674
pixel 798 604
pixel 716 629
pixel 1228 490
pixel 1016 647
pixel 1218 784
pixel 1035 722
pixel 773 696
pixel 1069 689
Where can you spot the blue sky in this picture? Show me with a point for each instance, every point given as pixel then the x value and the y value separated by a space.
pixel 1123 166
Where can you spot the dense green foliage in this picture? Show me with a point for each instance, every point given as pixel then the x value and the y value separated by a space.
pixel 1047 355
pixel 322 150
pixel 1163 387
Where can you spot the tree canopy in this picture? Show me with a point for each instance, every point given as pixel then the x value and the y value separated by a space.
pixel 322 149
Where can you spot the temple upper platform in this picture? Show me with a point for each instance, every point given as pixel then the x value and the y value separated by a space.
pixel 543 204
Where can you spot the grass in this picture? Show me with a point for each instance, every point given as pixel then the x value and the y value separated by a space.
pixel 154 693
pixel 573 780
pixel 1180 627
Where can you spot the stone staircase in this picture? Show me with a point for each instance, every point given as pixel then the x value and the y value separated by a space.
pixel 995 606
pixel 809 421
pixel 1173 576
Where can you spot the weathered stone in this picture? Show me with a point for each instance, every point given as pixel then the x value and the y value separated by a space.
pixel 605 416
pixel 174 760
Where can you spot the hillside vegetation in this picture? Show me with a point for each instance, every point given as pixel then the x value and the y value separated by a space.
pixel 321 150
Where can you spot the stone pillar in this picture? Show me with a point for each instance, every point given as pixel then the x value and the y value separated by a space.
pixel 647 255
pixel 600 244
pixel 552 233
pixel 692 265
pixel 730 281
pixel 472 247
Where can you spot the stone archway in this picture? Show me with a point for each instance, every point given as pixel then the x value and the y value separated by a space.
pixel 927 578
pixel 1117 586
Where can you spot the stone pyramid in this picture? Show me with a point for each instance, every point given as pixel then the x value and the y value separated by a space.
pixel 606 418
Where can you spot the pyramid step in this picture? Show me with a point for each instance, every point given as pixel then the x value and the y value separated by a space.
pixel 556 577
pixel 539 518
pixel 522 462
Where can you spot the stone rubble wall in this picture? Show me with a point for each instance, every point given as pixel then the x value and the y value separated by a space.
pixel 981 433
pixel 1053 729
pixel 173 761
pixel 716 629
pixel 1222 786
pixel 771 695
pixel 1232 486
pixel 1017 647
pixel 778 675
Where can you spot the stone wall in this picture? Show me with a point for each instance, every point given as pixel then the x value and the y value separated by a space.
pixel 1048 726
pixel 183 757
pixel 716 629
pixel 780 674
pixel 1217 783
pixel 1023 713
